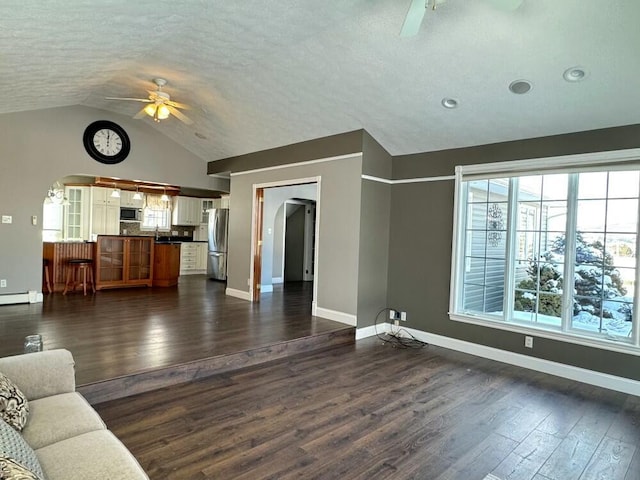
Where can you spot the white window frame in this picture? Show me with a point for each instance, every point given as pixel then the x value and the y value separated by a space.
pixel 611 161
pixel 166 212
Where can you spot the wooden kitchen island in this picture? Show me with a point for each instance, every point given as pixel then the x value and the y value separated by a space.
pixel 58 254
pixel 118 261
pixel 123 261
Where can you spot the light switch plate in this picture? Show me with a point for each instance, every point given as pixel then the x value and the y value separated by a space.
pixel 7 219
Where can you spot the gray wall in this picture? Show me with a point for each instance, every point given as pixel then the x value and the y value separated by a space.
pixel 272 243
pixel 420 245
pixel 367 292
pixel 294 243
pixel 39 147
pixel 338 242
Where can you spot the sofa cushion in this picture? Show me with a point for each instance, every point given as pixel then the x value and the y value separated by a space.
pixel 14 408
pixel 97 455
pixel 60 417
pixel 14 449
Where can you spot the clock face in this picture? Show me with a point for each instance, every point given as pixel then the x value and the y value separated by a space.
pixel 106 142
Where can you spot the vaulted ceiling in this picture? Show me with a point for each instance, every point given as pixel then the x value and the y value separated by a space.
pixel 261 74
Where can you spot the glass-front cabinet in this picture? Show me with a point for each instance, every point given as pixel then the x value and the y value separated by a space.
pixel 124 261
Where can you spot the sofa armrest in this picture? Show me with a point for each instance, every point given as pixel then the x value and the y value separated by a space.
pixel 41 374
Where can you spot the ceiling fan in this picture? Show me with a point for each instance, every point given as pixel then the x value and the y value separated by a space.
pixel 418 8
pixel 160 105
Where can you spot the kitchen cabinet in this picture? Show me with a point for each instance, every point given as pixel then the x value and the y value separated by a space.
pixel 193 258
pixel 105 212
pixel 201 259
pixel 206 204
pixel 127 200
pixel 166 264
pixel 77 213
pixel 186 211
pixel 124 261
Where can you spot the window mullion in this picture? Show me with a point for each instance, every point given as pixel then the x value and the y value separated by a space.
pixel 570 252
pixel 510 254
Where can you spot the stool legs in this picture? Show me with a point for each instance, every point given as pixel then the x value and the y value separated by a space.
pixel 72 278
pixel 47 279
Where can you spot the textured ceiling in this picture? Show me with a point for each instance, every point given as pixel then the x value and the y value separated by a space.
pixel 261 74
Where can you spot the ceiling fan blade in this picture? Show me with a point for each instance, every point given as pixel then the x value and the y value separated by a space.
pixel 414 17
pixel 506 4
pixel 179 115
pixel 140 114
pixel 145 100
pixel 177 104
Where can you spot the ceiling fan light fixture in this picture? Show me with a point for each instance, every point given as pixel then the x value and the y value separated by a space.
pixel 163 112
pixel 150 109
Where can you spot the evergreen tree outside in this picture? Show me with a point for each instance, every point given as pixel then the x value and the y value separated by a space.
pixel 596 281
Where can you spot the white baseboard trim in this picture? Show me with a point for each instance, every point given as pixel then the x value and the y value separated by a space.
pixel 599 379
pixel 334 315
pixel 277 280
pixel 266 288
pixel 13 298
pixel 232 292
pixel 371 331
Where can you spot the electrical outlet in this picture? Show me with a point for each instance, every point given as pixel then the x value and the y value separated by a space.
pixel 528 341
pixel 3 283
pixel 403 316
pixel 392 314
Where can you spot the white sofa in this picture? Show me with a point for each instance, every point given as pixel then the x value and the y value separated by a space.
pixel 68 436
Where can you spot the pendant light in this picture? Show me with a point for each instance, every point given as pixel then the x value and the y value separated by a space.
pixel 164 197
pixel 137 195
pixel 115 192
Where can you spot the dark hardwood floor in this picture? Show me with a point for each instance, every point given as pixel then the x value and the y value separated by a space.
pixel 355 411
pixel 115 333
pixel 371 411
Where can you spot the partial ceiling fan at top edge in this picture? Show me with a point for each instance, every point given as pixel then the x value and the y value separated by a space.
pixel 418 9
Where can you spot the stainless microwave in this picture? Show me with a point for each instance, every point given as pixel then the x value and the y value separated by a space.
pixel 130 214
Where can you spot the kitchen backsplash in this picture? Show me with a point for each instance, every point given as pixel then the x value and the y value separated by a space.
pixel 133 228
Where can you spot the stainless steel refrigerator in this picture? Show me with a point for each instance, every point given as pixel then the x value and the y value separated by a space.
pixel 218 230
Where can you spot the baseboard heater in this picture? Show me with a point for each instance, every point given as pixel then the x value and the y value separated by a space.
pixel 28 297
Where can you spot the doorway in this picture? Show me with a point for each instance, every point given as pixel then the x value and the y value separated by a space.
pixel 280 207
pixel 299 240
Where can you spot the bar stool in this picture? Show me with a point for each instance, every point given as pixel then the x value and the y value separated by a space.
pixel 47 278
pixel 76 267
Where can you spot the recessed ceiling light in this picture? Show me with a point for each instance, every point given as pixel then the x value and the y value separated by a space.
pixel 575 74
pixel 520 87
pixel 449 102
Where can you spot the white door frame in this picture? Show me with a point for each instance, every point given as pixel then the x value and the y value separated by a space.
pixel 254 234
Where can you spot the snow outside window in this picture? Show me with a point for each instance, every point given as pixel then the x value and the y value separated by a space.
pixel 553 251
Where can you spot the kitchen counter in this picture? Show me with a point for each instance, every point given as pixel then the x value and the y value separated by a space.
pixel 58 254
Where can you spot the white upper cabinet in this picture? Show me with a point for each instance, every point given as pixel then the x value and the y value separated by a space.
pixel 186 211
pixel 127 200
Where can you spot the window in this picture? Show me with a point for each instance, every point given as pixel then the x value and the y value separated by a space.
pixel 550 249
pixel 156 214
